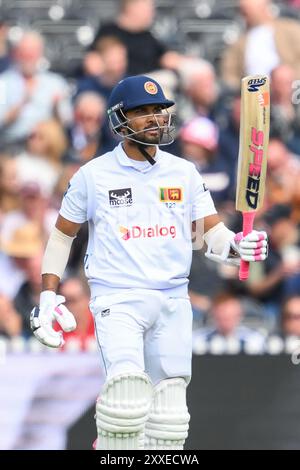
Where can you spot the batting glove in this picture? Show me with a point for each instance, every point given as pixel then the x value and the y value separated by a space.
pixel 252 247
pixel 51 308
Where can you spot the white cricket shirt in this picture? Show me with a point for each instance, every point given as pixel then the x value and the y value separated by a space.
pixel 139 219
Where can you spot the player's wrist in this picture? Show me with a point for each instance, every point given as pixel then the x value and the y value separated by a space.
pixel 47 297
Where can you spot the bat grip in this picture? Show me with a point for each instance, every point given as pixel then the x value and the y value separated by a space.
pixel 248 220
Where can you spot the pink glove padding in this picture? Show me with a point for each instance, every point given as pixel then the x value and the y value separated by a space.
pixel 252 247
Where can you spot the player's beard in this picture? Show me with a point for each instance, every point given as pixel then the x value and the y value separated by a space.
pixel 146 138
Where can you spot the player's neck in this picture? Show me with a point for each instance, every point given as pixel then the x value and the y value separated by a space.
pixel 132 151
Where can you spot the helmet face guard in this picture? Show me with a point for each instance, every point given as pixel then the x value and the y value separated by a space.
pixel 164 122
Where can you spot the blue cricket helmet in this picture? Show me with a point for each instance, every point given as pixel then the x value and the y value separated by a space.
pixel 136 91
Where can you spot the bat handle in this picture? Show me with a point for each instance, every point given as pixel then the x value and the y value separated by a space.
pixel 248 220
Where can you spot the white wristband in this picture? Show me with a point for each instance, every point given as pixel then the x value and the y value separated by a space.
pixel 57 253
pixel 47 297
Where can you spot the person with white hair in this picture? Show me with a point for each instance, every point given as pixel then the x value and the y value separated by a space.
pixel 30 94
pixel 199 84
pixel 86 133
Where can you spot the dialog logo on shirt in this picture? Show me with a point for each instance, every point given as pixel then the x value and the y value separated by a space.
pixel 120 197
pixel 170 194
pixel 147 232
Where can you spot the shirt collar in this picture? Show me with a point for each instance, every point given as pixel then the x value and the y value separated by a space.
pixel 124 160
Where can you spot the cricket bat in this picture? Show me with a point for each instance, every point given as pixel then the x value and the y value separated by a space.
pixel 253 147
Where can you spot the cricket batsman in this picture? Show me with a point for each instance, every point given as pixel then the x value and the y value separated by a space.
pixel 140 203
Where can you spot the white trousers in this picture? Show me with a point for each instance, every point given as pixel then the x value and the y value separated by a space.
pixel 144 330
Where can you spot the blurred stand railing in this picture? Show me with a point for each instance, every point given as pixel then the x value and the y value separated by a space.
pixel 237 400
pixel 44 391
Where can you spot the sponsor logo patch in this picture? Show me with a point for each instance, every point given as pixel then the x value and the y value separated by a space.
pixel 170 194
pixel 151 88
pixel 255 83
pixel 120 197
pixel 147 232
pixel 253 181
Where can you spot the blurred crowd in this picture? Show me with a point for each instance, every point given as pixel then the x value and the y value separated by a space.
pixel 50 125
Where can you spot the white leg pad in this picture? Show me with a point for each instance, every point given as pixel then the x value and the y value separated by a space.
pixel 122 410
pixel 168 422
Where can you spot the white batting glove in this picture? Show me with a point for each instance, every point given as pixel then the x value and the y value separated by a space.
pixel 51 308
pixel 252 247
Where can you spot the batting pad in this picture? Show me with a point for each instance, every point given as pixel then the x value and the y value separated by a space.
pixel 168 422
pixel 122 410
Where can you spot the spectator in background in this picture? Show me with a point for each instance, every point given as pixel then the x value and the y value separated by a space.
pixel 5 59
pixel 280 274
pixel 290 317
pixel 30 290
pixel 227 315
pixel 113 56
pixel 199 140
pixel 48 141
pixel 76 294
pixel 24 242
pixel 10 321
pixel 285 114
pixel 34 208
pixel 229 136
pixel 283 173
pixel 92 64
pixel 9 185
pixel 132 27
pixel 31 95
pixel 41 162
pixel 294 3
pixel 199 84
pixel 268 42
pixel 87 138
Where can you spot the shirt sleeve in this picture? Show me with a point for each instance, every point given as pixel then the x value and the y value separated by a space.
pixel 202 203
pixel 74 203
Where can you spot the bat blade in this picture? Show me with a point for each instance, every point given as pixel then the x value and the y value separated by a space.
pixel 252 160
